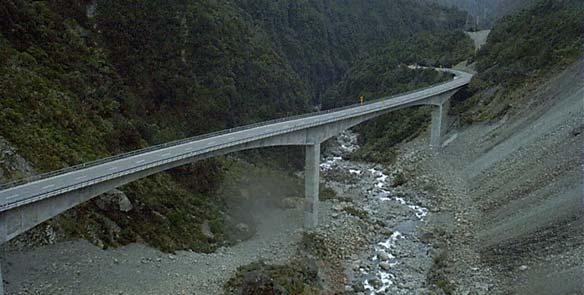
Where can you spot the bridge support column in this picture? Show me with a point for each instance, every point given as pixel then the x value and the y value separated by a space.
pixel 311 185
pixel 2 238
pixel 439 123
pixel 1 280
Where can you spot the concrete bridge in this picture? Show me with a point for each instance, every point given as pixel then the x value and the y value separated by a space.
pixel 29 202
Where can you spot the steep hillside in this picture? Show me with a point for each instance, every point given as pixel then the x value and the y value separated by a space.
pixel 533 209
pixel 64 102
pixel 322 39
pixel 515 208
pixel 386 72
pixel 509 183
pixel 60 98
pixel 521 51
pixel 512 220
pixel 201 57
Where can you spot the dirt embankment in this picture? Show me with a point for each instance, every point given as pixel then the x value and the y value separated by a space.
pixel 514 218
pixel 78 267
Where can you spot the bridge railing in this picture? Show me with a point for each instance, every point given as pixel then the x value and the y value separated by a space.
pixel 201 137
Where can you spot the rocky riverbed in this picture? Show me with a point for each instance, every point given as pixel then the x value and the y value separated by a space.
pixel 398 256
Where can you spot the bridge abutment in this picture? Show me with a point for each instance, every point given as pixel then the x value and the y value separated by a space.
pixel 311 185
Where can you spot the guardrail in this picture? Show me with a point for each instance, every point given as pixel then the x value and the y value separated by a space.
pixel 26 180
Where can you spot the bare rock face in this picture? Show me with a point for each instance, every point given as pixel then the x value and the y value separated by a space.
pixel 114 200
pixel 12 165
pixel 91 9
pixel 206 230
pixel 113 229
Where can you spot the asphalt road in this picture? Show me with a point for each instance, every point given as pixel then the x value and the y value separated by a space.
pixel 57 184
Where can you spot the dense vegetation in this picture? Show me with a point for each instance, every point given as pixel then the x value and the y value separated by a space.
pixel 531 42
pixel 297 277
pixel 386 72
pixel 63 102
pixel 322 39
pixel 60 98
pixel 198 56
pixel 522 50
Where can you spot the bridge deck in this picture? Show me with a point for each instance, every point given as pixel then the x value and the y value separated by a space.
pixel 58 183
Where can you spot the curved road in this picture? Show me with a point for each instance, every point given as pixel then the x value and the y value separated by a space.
pixel 57 183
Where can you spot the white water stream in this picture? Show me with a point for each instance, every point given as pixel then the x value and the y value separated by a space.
pixel 380 189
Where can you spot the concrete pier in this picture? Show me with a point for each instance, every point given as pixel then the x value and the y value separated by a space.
pixel 439 123
pixel 1 280
pixel 311 185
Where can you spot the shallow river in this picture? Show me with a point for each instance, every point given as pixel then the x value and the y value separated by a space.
pixel 396 261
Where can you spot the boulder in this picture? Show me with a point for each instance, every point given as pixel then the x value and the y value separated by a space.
pixel 383 256
pixel 384 265
pixel 114 200
pixel 206 230
pixel 113 229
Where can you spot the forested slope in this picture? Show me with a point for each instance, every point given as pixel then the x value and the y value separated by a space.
pixel 199 61
pixel 391 70
pixel 322 39
pixel 522 51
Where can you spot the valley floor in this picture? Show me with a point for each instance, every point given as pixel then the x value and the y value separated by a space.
pixel 79 267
